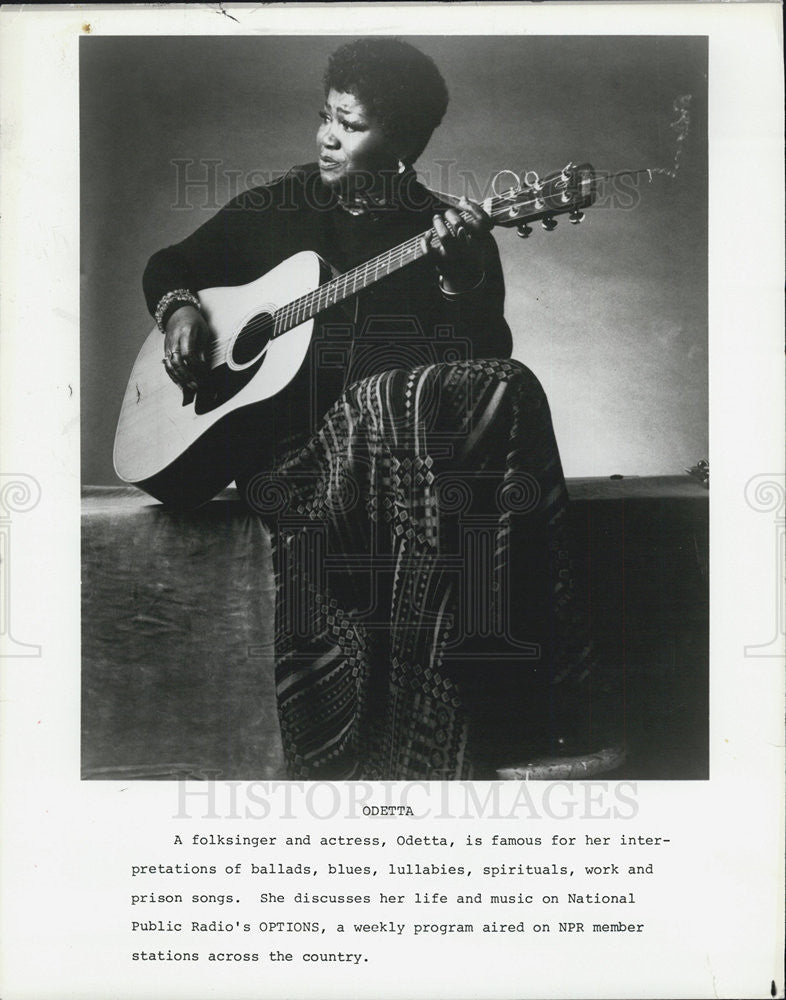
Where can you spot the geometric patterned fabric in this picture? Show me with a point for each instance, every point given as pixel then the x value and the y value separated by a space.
pixel 425 606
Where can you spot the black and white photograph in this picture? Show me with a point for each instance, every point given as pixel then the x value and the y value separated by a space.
pixel 435 310
pixel 392 501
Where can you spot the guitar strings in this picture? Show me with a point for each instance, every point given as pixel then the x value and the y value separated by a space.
pixel 335 290
pixel 338 288
pixel 407 252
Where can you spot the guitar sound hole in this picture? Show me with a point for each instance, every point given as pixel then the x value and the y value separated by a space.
pixel 252 339
pixel 222 385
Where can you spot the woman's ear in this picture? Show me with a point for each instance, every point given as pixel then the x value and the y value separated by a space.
pixel 403 147
pixel 405 160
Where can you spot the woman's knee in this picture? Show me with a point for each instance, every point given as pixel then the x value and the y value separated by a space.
pixel 513 379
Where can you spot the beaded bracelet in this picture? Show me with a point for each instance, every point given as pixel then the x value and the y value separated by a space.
pixel 457 295
pixel 176 298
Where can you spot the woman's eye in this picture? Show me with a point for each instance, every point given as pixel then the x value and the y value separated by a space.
pixel 324 116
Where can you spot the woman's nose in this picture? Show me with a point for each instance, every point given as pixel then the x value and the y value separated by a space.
pixel 329 138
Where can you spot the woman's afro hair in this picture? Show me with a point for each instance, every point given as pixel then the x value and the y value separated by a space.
pixel 397 83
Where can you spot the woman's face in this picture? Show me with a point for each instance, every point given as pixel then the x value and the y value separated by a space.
pixel 351 143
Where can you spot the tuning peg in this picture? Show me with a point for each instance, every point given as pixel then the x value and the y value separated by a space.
pixel 524 230
pixel 576 216
pixel 567 171
pixel 549 224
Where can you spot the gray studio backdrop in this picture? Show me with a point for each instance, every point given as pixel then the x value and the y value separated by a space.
pixel 611 315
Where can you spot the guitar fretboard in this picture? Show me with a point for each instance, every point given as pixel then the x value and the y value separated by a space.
pixel 510 208
pixel 346 285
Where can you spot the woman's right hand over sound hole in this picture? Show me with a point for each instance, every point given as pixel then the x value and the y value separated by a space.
pixel 185 347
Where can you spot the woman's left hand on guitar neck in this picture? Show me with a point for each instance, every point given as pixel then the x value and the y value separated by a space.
pixel 454 250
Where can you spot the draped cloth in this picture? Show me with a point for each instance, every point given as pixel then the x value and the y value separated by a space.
pixel 425 610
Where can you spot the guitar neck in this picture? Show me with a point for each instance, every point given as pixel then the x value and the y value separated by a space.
pixel 346 285
pixel 567 191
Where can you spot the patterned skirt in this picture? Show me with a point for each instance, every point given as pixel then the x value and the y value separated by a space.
pixel 425 606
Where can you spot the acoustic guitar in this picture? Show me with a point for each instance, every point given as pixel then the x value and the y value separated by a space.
pixel 181 449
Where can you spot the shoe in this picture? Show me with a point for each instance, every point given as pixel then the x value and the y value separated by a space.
pixel 565 768
pixel 578 732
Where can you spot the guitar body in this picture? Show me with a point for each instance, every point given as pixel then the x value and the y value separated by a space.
pixel 184 453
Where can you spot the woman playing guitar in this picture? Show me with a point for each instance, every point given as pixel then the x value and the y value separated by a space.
pixel 426 624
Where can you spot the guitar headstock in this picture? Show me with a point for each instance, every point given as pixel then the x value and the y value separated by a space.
pixel 565 192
